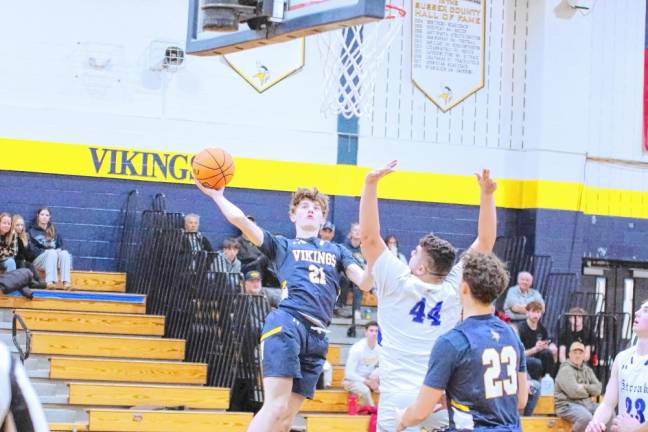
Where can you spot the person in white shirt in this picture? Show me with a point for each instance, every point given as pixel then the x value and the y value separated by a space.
pixel 627 386
pixel 418 301
pixel 361 370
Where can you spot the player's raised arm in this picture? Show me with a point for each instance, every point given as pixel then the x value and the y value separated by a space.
pixel 372 244
pixel 234 215
pixel 362 278
pixel 487 224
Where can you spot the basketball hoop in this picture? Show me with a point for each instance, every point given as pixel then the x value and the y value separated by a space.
pixel 352 57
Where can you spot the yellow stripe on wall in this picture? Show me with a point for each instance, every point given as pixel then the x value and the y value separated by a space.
pixel 345 180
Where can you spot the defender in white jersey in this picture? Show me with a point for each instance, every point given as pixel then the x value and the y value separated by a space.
pixel 417 302
pixel 628 385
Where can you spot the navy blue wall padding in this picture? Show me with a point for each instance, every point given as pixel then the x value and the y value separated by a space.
pixel 87 212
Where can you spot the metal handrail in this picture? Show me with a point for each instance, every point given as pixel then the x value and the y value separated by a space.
pixel 24 355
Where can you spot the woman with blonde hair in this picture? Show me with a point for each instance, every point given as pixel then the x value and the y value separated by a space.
pixel 8 244
pixel 48 248
pixel 25 255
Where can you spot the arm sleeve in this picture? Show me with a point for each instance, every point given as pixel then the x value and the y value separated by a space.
pixel 387 272
pixel 274 247
pixel 444 358
pixel 59 241
pixel 352 365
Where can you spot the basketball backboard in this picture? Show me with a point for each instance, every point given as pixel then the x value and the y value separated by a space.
pixel 270 21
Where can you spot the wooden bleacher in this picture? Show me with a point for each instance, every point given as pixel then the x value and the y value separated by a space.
pixel 104 420
pixel 93 322
pixel 131 395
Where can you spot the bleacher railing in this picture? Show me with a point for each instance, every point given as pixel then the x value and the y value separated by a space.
pixel 202 303
pixel 17 319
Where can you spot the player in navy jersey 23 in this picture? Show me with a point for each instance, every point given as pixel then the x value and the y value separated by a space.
pixel 479 364
pixel 294 342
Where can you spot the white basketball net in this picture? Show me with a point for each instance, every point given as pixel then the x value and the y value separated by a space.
pixel 352 57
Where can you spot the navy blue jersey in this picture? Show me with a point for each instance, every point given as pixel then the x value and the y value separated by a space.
pixel 309 268
pixel 477 364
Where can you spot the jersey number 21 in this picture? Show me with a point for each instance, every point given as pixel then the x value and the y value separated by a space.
pixel 493 386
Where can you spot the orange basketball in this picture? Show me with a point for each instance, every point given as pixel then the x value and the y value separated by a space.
pixel 213 168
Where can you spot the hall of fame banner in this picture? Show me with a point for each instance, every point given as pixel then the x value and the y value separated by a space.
pixel 448 39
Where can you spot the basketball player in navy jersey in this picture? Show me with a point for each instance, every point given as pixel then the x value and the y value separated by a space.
pixel 294 344
pixel 479 364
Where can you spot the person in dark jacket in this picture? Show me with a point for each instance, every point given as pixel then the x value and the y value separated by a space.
pixel 17 280
pixel 48 249
pixel 25 256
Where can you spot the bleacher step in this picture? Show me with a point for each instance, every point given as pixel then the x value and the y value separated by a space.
pixel 107 346
pixel 99 281
pixel 166 421
pixel 76 301
pixel 88 322
pixel 129 395
pixel 159 372
pixel 68 427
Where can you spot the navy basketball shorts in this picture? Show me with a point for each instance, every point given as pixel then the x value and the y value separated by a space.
pixel 291 349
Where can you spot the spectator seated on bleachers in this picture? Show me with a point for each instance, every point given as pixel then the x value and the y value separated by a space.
pixel 392 244
pixel 227 260
pixel 8 244
pixel 47 245
pixel 327 232
pixel 361 370
pixel 25 255
pixel 575 386
pixel 540 352
pixel 252 285
pixel 575 331
pixel 519 296
pixel 194 240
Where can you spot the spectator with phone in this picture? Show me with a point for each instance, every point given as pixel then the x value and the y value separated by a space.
pixel 540 351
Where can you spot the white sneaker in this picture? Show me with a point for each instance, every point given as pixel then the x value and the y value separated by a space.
pixel 357 316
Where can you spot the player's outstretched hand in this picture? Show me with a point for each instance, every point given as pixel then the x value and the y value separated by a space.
pixel 595 426
pixel 625 423
pixel 486 183
pixel 375 175
pixel 212 193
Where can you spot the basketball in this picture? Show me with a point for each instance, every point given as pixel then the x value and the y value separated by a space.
pixel 213 168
